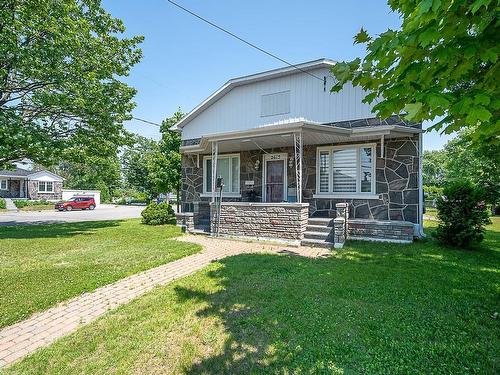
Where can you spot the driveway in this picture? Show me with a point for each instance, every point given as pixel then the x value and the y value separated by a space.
pixel 103 212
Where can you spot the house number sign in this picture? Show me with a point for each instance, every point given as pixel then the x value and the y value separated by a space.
pixel 275 157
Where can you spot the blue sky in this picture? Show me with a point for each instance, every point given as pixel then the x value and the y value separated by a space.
pixel 185 60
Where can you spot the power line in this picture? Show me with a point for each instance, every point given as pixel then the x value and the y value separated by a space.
pixel 146 121
pixel 243 40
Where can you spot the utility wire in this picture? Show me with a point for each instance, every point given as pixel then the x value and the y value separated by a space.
pixel 146 121
pixel 243 40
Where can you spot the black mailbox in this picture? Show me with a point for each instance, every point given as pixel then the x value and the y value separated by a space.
pixel 220 182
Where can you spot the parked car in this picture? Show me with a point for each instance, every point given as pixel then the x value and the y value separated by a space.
pixel 76 202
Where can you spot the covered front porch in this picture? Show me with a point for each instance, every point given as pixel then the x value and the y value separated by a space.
pixel 289 168
pixel 12 187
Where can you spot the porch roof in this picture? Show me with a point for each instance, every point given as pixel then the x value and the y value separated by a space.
pixel 280 135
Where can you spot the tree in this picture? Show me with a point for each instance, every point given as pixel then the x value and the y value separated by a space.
pixel 434 167
pixel 92 172
pixel 165 165
pixel 479 163
pixel 443 61
pixel 60 64
pixel 135 160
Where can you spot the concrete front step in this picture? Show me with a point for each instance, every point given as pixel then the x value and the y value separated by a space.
pixel 9 205
pixel 319 228
pixel 318 236
pixel 323 221
pixel 316 243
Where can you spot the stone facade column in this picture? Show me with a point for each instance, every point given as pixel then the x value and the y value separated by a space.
pixel 339 232
pixel 340 225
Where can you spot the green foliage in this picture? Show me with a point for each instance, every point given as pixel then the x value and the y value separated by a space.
pixel 462 214
pixel 60 65
pixel 21 203
pixel 477 162
pixel 158 214
pixel 155 167
pixel 434 167
pixel 169 147
pixel 3 205
pixel 136 160
pixel 127 196
pixel 92 172
pixel 433 192
pixel 442 62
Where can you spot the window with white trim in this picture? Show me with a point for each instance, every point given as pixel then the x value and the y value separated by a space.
pixel 346 170
pixel 228 166
pixel 4 185
pixel 45 186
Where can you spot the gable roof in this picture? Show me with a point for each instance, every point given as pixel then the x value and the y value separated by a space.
pixel 43 172
pixel 240 81
pixel 19 172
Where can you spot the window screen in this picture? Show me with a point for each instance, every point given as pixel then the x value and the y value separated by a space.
pixel 344 170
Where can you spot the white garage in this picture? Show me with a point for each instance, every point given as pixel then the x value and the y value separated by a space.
pixel 96 194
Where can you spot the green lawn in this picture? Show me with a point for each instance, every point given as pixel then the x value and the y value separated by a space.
pixel 370 309
pixel 39 207
pixel 43 264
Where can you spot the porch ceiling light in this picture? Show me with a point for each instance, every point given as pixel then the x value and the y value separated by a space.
pixel 257 164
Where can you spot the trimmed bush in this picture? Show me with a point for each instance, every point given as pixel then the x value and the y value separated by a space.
pixel 157 214
pixel 2 204
pixel 24 203
pixel 462 214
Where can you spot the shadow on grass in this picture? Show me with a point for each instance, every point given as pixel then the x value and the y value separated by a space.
pixel 54 230
pixel 369 309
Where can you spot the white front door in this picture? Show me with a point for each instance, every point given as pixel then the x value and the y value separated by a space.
pixel 275 181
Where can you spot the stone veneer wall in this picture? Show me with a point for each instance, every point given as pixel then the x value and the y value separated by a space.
pixel 34 194
pixel 12 191
pixel 273 221
pixel 396 183
pixel 365 229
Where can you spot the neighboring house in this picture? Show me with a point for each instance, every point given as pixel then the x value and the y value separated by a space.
pixel 23 183
pixel 290 152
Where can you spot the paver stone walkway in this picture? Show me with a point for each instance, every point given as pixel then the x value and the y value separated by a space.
pixel 41 329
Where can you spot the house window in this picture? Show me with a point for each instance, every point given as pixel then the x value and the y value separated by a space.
pixel 228 166
pixel 346 170
pixel 45 186
pixel 3 185
pixel 275 104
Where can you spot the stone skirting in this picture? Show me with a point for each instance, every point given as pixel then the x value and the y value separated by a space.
pixel 377 230
pixel 284 222
pixel 186 220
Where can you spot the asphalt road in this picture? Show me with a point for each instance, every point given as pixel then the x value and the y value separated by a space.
pixel 103 212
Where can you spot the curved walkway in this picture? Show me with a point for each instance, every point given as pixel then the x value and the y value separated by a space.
pixel 41 329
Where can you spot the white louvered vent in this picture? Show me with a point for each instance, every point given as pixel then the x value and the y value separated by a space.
pixel 275 104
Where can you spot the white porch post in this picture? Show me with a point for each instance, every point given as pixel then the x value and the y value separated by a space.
pixel 298 149
pixel 215 151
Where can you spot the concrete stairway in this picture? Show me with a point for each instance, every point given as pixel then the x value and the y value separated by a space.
pixel 9 205
pixel 319 232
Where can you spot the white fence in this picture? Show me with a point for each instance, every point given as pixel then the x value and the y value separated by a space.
pixel 68 193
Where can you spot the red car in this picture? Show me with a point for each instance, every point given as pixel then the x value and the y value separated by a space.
pixel 76 202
